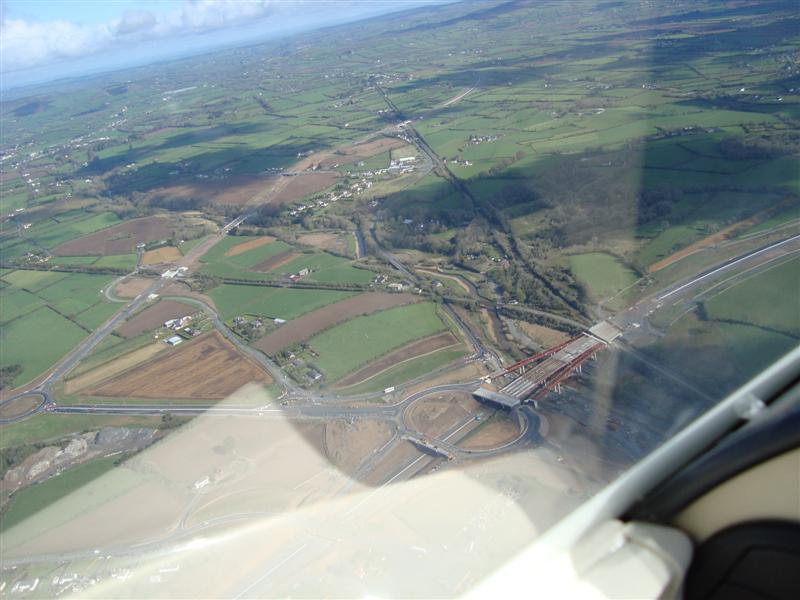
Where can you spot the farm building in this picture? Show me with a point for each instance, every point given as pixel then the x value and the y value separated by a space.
pixel 174 340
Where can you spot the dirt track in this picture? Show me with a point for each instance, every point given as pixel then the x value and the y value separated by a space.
pixel 208 368
pixel 327 316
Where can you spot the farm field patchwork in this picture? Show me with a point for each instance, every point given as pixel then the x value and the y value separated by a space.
pixel 208 368
pixel 58 309
pixel 55 334
pixel 119 239
pixel 323 318
pixel 236 256
pixel 409 352
pixel 275 302
pixel 522 160
pixel 155 316
pixel 348 346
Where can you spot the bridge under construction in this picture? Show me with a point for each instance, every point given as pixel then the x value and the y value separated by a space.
pixel 530 379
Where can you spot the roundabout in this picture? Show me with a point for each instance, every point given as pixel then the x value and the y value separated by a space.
pixel 22 405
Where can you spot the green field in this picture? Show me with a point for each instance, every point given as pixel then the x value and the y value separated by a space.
pixel 768 299
pixel 409 370
pixel 43 428
pixel 602 274
pixel 352 344
pixel 37 340
pixel 326 268
pixel 45 314
pixel 284 303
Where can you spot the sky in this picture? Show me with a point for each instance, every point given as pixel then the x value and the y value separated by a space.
pixel 41 40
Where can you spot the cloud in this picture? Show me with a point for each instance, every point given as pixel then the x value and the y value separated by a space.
pixel 135 21
pixel 25 44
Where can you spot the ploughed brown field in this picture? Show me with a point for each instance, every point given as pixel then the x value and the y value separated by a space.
pixel 503 429
pixel 438 414
pixel 325 241
pixel 362 151
pixel 161 255
pixel 249 245
pixel 119 239
pixel 418 348
pixel 321 319
pixel 130 287
pixel 208 368
pixel 299 186
pixel 235 191
pixel 155 316
pixel 273 262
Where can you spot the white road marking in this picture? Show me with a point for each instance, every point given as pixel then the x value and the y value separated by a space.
pixel 729 265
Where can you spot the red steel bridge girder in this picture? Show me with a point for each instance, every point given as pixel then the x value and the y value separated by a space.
pixel 565 371
pixel 526 361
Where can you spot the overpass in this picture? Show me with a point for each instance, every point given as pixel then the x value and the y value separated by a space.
pixel 531 378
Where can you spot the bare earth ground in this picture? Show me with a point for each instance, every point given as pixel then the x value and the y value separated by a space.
pixel 119 239
pixel 544 335
pixel 235 191
pixel 417 348
pixel 113 367
pixel 178 288
pixel 249 245
pixel 19 407
pixel 298 330
pixel 236 455
pixel 130 287
pixel 324 241
pixel 155 316
pixel 358 151
pixel 499 431
pixel 438 414
pixel 273 262
pixel 299 186
pixel 161 255
pixel 349 444
pixel 207 368
pixel 402 454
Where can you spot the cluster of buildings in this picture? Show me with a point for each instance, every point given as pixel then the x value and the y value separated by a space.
pixel 383 279
pixel 181 329
pixel 483 139
pixel 173 273
pixel 355 189
pixel 299 275
pixel 457 161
